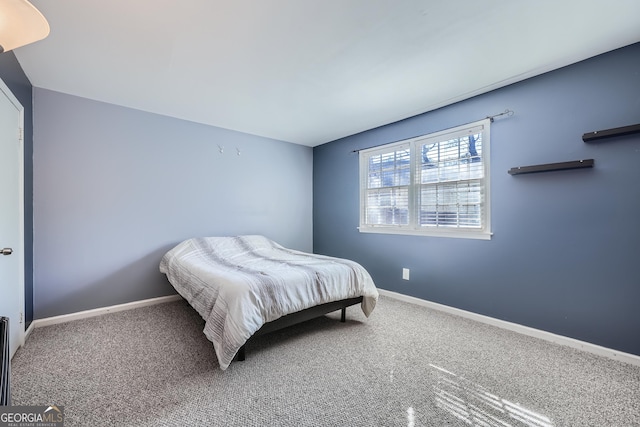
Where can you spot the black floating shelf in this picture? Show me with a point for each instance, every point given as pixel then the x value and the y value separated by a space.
pixel 549 167
pixel 608 133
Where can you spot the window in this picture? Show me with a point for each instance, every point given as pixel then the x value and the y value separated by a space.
pixel 435 185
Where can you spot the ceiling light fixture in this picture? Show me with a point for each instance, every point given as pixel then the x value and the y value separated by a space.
pixel 20 24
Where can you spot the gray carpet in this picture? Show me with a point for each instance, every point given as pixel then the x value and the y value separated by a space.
pixel 404 366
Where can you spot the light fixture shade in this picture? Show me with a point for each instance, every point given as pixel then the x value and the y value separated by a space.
pixel 20 24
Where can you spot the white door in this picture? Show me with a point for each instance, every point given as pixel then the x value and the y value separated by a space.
pixel 11 215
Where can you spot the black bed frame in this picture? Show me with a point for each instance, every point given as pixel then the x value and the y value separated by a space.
pixel 302 316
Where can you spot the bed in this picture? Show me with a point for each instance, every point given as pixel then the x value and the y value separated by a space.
pixel 244 286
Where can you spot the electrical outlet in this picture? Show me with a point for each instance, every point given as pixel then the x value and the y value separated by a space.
pixel 405 274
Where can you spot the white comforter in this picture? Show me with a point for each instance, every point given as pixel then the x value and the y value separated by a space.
pixel 237 284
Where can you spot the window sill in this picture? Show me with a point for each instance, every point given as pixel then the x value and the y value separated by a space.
pixel 457 234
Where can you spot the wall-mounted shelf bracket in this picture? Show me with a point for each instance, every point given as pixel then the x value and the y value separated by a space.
pixel 609 133
pixel 549 167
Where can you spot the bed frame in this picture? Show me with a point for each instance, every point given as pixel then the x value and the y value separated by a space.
pixel 302 316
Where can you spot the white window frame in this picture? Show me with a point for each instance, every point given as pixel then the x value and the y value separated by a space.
pixel 413 227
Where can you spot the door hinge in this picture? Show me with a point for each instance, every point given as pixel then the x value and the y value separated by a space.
pixel 21 134
pixel 21 318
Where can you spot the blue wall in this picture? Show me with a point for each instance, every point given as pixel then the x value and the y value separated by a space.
pixel 115 188
pixel 564 256
pixel 14 77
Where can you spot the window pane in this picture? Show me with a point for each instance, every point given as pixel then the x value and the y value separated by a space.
pixel 451 160
pixel 389 169
pixel 388 206
pixel 451 205
pixel 374 180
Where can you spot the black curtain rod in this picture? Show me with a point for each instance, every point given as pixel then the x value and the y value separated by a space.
pixel 491 118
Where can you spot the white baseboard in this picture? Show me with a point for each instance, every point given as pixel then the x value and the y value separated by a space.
pixel 525 330
pixel 28 331
pixel 99 311
pixel 24 338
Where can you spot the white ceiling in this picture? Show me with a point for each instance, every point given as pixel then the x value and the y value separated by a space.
pixel 311 71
